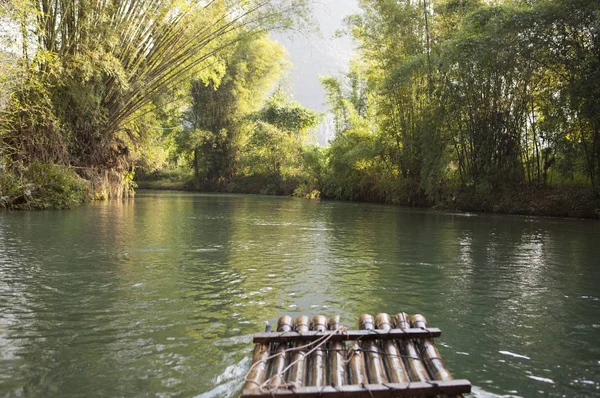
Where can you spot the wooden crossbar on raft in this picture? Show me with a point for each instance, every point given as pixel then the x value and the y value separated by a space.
pixel 363 335
pixel 413 389
pixel 385 358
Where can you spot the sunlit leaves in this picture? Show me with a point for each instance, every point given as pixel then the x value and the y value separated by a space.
pixel 103 65
pixel 472 95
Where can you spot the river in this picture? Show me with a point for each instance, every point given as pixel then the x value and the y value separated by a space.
pixel 159 295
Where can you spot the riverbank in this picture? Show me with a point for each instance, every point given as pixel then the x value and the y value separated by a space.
pixel 43 186
pixel 572 201
pixel 48 187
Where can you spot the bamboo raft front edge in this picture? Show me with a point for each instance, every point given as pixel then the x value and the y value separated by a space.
pixel 385 358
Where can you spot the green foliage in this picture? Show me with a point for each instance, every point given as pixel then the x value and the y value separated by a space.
pixel 165 178
pixel 43 186
pixel 313 172
pixel 355 171
pixel 466 97
pixel 93 84
pixel 340 106
pixel 287 116
pixel 275 151
pixel 217 118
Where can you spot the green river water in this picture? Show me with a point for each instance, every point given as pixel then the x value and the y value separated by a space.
pixel 159 296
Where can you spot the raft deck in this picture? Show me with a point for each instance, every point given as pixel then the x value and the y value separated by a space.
pixel 385 358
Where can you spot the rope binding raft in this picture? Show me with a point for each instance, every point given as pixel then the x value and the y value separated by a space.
pixel 387 357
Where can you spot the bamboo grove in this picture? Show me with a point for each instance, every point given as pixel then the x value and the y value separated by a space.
pixel 84 83
pixel 468 101
pixel 462 104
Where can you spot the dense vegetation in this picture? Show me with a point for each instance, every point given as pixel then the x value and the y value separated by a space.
pixel 88 86
pixel 470 104
pixel 460 104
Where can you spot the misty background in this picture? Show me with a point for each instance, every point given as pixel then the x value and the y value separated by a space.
pixel 316 54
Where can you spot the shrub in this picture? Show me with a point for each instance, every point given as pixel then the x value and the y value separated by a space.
pixel 43 186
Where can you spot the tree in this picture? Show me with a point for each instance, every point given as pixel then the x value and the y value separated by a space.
pixel 218 127
pixel 467 96
pixel 91 70
pixel 278 137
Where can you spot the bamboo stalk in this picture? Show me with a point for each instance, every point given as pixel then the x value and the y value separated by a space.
pixel 258 372
pixel 285 324
pixel 431 356
pixel 337 356
pixel 297 374
pixel 393 359
pixel 357 368
pixel 319 358
pixel 374 356
pixel 415 367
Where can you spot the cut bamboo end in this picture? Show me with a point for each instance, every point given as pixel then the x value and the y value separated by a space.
pixel 320 323
pixel 302 324
pixel 418 321
pixel 383 321
pixel 401 321
pixel 285 324
pixel 392 356
pixel 334 322
pixel 366 322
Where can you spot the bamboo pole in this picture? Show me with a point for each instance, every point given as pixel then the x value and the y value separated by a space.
pixel 319 357
pixel 258 372
pixel 393 359
pixel 297 375
pixel 357 368
pixel 337 356
pixel 415 367
pixel 431 356
pixel 285 324
pixel 374 356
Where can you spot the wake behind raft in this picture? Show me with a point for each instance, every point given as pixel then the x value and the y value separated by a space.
pixel 385 358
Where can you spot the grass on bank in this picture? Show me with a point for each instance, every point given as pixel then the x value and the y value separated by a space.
pixel 168 179
pixel 43 186
pixel 567 200
pixel 183 180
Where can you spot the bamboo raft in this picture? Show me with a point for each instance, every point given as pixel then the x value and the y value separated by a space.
pixel 385 358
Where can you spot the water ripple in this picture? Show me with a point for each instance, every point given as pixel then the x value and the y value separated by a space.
pixel 161 295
